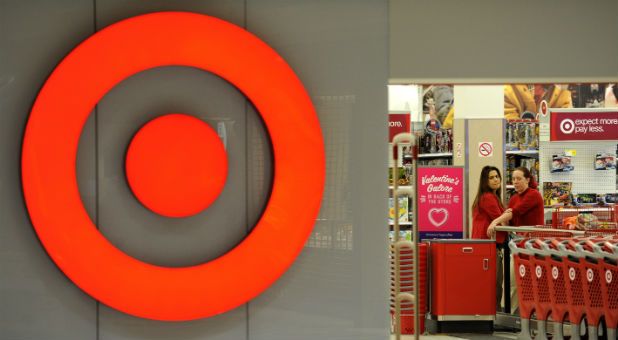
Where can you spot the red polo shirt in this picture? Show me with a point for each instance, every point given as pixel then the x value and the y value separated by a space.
pixel 527 208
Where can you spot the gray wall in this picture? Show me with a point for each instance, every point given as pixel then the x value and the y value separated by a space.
pixel 501 41
pixel 337 287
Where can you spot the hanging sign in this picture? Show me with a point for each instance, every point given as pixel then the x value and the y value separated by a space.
pixel 440 202
pixel 583 125
pixel 543 108
pixel 398 123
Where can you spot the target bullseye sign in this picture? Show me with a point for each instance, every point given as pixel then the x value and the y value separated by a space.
pixel 49 155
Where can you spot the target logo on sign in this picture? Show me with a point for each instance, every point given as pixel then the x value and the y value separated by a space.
pixel 608 276
pixel 190 171
pixel 589 275
pixel 522 270
pixel 544 108
pixel 567 126
pixel 554 273
pixel 539 271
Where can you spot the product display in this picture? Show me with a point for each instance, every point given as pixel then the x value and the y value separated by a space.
pixel 585 199
pixel 439 142
pixel 522 135
pixel 556 193
pixel 403 176
pixel 561 163
pixel 608 199
pixel 604 161
pixel 403 210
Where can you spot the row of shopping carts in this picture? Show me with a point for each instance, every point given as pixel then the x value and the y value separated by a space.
pixel 567 279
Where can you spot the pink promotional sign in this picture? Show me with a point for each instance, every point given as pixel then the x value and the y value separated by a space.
pixel 440 202
pixel 398 123
pixel 584 125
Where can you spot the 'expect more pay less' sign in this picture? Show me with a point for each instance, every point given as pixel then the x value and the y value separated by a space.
pixel 584 125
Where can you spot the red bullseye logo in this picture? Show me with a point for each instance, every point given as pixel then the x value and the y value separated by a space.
pixel 175 165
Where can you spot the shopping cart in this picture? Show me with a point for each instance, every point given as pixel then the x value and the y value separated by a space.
pixel 605 214
pixel 523 265
pixel 599 292
pixel 540 285
pixel 583 286
pixel 557 286
pixel 609 286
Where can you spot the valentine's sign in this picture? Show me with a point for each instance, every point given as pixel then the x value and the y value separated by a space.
pixel 440 202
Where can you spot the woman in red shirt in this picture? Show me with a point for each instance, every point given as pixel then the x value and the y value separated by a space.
pixel 487 204
pixel 525 207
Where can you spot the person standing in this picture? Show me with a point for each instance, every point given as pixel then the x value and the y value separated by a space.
pixel 525 207
pixel 486 207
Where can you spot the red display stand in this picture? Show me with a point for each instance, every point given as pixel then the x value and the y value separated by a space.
pixel 463 280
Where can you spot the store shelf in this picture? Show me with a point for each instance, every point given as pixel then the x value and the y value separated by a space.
pixel 435 155
pixel 522 152
pixel 400 187
pixel 401 223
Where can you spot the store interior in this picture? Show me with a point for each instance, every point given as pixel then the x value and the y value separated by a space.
pixel 454 132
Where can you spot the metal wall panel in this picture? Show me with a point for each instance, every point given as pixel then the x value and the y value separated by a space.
pixel 136 230
pixel 486 41
pixel 339 280
pixel 37 301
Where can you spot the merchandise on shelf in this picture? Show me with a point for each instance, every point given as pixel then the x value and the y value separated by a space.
pixel 608 199
pixel 403 210
pixel 404 235
pixel 605 161
pixel 556 193
pixel 404 175
pixel 435 161
pixel 522 134
pixel 439 142
pixel 513 162
pixel 585 199
pixel 561 163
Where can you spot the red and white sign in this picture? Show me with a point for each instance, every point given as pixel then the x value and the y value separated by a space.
pixel 543 108
pixel 440 204
pixel 486 149
pixel 52 197
pixel 398 123
pixel 582 125
pixel 458 153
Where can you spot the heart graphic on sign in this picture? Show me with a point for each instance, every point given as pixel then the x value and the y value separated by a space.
pixel 437 216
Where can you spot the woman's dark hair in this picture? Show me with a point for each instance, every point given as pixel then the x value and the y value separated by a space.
pixel 532 184
pixel 484 186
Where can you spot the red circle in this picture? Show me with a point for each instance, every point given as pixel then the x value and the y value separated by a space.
pixel 485 149
pixel 176 165
pixel 49 154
